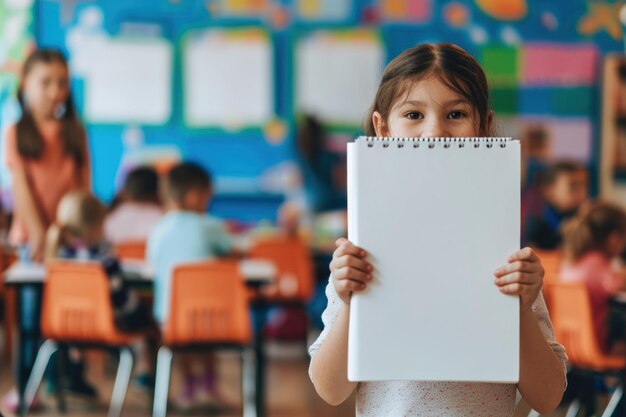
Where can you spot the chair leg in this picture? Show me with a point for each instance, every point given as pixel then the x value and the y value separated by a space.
pixel 612 405
pixel 248 380
pixel 122 379
pixel 161 386
pixel 41 362
pixel 573 409
pixel 62 356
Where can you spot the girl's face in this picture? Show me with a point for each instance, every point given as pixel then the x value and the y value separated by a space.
pixel 46 87
pixel 615 244
pixel 430 109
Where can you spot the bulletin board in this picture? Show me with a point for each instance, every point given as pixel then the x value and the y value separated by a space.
pixel 129 81
pixel 337 74
pixel 228 78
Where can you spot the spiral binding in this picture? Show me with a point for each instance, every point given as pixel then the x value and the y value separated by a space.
pixel 447 142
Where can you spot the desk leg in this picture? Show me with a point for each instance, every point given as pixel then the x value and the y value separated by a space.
pixel 28 307
pixel 260 317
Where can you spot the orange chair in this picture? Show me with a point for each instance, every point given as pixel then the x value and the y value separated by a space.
pixel 77 311
pixel 573 326
pixel 552 260
pixel 133 250
pixel 209 310
pixel 295 268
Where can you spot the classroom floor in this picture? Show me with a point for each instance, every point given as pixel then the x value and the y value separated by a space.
pixel 290 393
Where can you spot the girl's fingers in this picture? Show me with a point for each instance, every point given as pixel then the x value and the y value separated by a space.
pixel 345 247
pixel 520 277
pixel 525 254
pixel 348 273
pixel 511 289
pixel 517 266
pixel 351 261
pixel 348 285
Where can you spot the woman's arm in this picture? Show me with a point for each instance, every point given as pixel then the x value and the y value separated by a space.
pixel 25 204
pixel 329 365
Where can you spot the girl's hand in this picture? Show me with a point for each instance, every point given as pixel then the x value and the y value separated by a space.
pixel 523 276
pixel 349 271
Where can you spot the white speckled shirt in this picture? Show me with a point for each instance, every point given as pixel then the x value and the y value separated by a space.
pixel 435 398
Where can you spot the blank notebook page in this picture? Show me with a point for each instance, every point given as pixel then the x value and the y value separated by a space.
pixel 437 217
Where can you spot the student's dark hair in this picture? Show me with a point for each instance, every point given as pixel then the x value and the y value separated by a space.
pixel 553 171
pixel 591 228
pixel 184 177
pixel 450 63
pixel 30 144
pixel 142 184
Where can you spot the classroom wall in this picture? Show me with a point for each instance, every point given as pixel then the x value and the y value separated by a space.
pixel 273 60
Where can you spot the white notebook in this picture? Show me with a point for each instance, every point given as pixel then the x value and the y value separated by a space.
pixel 437 217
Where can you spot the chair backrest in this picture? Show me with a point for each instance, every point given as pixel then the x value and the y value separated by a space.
pixel 573 323
pixel 552 261
pixel 294 264
pixel 134 250
pixel 77 303
pixel 209 304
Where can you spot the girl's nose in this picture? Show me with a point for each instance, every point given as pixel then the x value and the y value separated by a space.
pixel 434 128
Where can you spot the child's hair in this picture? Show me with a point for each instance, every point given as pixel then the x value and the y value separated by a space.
pixel 78 213
pixel 552 172
pixel 591 228
pixel 30 144
pixel 449 63
pixel 142 184
pixel 185 177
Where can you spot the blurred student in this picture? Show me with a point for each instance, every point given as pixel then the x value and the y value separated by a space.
pixel 593 241
pixel 564 188
pixel 186 234
pixel 137 208
pixel 46 153
pixel 78 233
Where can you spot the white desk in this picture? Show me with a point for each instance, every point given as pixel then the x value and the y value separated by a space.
pixel 254 271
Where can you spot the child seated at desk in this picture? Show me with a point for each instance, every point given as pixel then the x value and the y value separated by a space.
pixel 78 234
pixel 186 234
pixel 593 241
pixel 137 208
pixel 564 188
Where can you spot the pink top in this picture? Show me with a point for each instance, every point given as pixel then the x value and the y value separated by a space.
pixel 595 270
pixel 131 222
pixel 50 177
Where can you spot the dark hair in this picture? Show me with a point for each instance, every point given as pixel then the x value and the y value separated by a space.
pixel 450 63
pixel 30 144
pixel 591 228
pixel 142 184
pixel 185 177
pixel 552 172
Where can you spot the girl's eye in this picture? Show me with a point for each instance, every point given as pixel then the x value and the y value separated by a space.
pixel 413 115
pixel 456 115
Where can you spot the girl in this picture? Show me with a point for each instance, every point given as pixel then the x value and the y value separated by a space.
pixel 437 91
pixel 136 209
pixel 78 233
pixel 594 239
pixel 46 152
